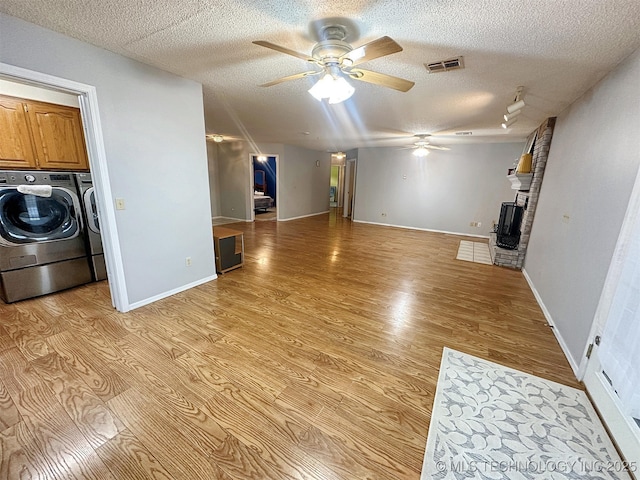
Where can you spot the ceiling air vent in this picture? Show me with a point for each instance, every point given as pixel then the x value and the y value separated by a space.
pixel 464 134
pixel 445 65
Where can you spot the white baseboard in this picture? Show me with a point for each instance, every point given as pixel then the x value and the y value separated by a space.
pixel 549 318
pixel 422 229
pixel 222 217
pixel 302 216
pixel 155 298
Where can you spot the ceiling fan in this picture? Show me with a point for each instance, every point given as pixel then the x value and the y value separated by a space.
pixel 422 146
pixel 337 59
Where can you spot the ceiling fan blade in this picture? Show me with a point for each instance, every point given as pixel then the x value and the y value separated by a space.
pixel 291 77
pixel 381 79
pixel 369 51
pixel 286 50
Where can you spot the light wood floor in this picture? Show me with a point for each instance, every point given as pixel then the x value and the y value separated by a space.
pixel 318 359
pixel 270 214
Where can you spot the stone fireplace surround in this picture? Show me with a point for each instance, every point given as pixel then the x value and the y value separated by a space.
pixel 528 199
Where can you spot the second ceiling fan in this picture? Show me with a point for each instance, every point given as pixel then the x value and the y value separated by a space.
pixel 337 59
pixel 422 146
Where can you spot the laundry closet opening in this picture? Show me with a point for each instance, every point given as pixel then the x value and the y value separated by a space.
pixel 50 236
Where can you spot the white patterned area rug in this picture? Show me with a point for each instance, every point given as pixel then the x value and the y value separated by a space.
pixel 493 422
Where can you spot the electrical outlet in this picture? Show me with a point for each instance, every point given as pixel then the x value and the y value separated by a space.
pixel 188 261
pixel 119 203
pixel 475 224
pixel 383 214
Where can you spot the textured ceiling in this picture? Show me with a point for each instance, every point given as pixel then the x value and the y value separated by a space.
pixel 555 49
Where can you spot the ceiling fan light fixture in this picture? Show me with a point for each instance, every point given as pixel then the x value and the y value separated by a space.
pixel 335 59
pixel 421 152
pixel 322 88
pixel 342 90
pixel 335 89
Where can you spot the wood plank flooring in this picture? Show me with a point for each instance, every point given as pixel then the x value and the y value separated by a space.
pixel 316 360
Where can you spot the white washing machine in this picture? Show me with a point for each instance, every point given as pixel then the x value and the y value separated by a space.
pixel 92 230
pixel 42 248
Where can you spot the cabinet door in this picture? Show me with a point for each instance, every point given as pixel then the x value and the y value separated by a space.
pixel 57 137
pixel 16 150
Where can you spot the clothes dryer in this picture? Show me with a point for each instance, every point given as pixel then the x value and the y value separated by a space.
pixel 92 231
pixel 42 248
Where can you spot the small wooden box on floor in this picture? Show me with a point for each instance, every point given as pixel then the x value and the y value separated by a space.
pixel 229 248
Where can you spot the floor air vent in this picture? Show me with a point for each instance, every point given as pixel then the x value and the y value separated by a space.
pixel 445 65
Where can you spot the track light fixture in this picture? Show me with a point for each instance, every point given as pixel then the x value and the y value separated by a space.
pixel 514 109
pixel 508 123
pixel 511 116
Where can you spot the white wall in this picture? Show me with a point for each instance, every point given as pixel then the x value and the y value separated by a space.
pixel 153 127
pixel 303 186
pixel 233 180
pixel 593 161
pixel 444 191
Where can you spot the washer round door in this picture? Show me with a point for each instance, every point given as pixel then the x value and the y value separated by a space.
pixel 26 218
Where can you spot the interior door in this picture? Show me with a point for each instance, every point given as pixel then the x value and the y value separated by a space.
pixel 624 430
pixel 350 185
pixel 341 186
pixel 613 369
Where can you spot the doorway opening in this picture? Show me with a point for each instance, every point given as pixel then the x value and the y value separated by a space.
pixel 336 186
pixel 264 184
pixel 88 104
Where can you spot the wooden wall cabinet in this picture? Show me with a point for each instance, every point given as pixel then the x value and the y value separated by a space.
pixel 40 136
pixel 16 147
